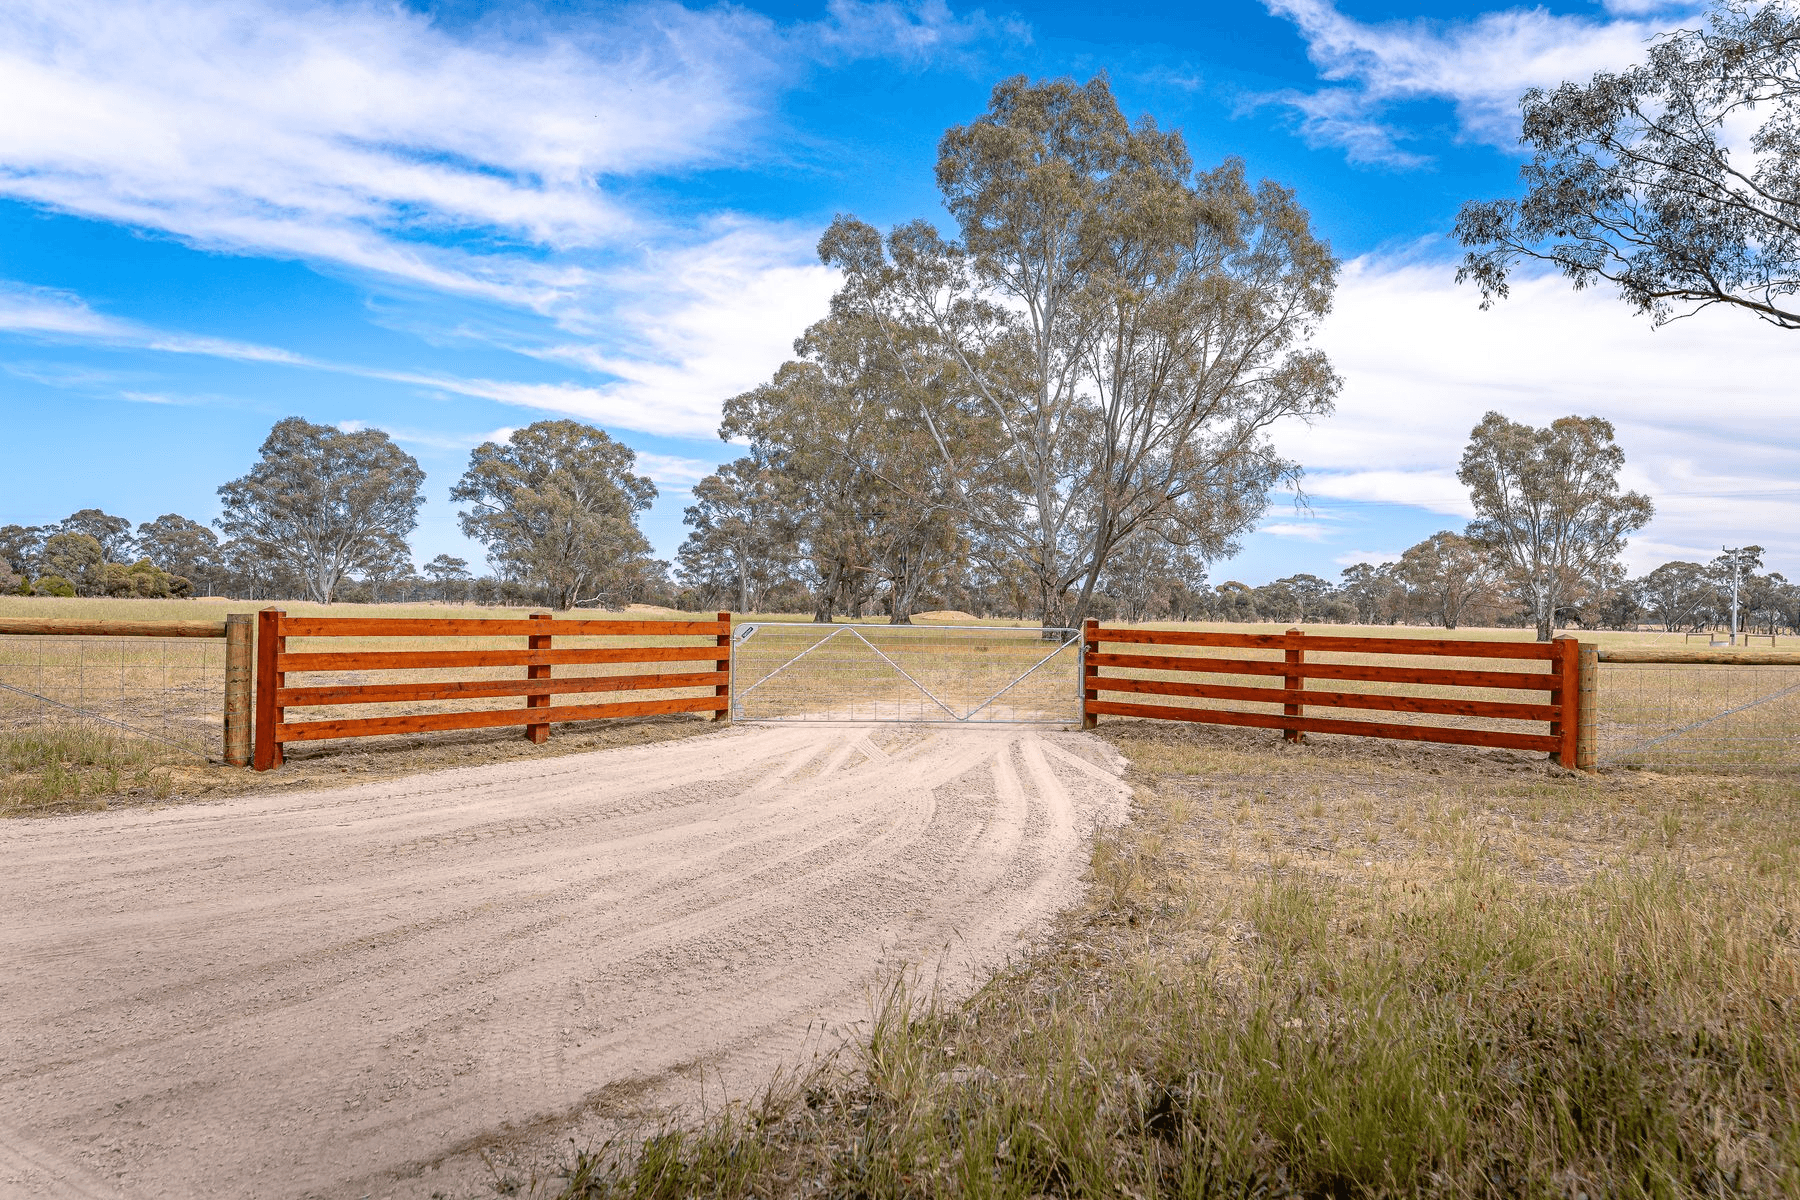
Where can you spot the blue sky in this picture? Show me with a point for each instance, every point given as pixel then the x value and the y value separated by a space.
pixel 451 220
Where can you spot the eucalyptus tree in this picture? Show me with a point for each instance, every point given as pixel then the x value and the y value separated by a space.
pixel 1549 509
pixel 1635 179
pixel 22 546
pixel 450 573
pixel 1129 326
pixel 742 542
pixel 556 506
pixel 1448 575
pixel 1147 572
pixel 112 533
pixel 857 483
pixel 181 547
pixel 324 502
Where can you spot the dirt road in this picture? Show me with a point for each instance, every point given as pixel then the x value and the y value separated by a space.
pixel 354 992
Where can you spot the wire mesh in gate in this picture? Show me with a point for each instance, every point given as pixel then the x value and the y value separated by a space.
pixel 926 673
pixel 1699 717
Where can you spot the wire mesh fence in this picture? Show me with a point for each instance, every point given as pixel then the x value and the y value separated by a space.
pixel 1698 717
pixel 168 692
pixel 962 674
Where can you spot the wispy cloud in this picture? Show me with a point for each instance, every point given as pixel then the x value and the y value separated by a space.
pixel 715 335
pixel 56 314
pixel 365 134
pixel 1480 65
pixel 671 471
pixel 924 31
pixel 369 136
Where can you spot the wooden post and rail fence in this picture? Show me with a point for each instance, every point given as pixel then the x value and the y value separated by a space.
pixel 257 663
pixel 1564 709
pixel 539 655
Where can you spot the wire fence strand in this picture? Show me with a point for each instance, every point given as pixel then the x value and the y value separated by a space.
pixel 167 690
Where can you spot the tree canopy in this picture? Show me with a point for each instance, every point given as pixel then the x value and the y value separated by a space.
pixel 1128 327
pixel 324 502
pixel 1549 508
pixel 1635 178
pixel 557 505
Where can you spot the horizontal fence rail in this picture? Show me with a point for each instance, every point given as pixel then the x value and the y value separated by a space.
pixel 1551 693
pixel 275 662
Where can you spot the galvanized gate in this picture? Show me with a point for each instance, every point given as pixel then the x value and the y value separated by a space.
pixel 973 674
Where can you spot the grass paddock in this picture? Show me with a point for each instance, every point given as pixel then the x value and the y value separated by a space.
pixel 1332 970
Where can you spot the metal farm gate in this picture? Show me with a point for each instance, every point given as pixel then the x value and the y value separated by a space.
pixel 972 674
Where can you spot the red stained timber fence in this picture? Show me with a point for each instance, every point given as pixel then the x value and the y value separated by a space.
pixel 1561 681
pixel 274 662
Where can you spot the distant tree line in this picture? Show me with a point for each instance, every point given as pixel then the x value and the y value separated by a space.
pixel 325 513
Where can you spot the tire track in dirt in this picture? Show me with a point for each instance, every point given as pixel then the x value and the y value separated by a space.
pixel 348 992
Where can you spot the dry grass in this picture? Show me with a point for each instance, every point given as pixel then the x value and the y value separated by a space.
pixel 1339 969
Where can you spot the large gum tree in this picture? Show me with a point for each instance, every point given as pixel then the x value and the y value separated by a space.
pixel 1129 326
pixel 323 502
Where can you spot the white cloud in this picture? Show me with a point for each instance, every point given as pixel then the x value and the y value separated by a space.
pixel 922 31
pixel 371 136
pixel 53 314
pixel 1434 490
pixel 670 471
pixel 724 320
pixel 364 134
pixel 1295 529
pixel 498 162
pixel 711 321
pixel 1480 65
pixel 1702 407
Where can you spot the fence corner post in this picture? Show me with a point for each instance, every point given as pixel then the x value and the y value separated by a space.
pixel 1090 671
pixel 1586 720
pixel 1294 654
pixel 240 674
pixel 270 643
pixel 723 663
pixel 538 734
pixel 1566 698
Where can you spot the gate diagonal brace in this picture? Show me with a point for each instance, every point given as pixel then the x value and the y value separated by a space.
pixel 902 672
pixel 1074 638
pixel 1616 755
pixel 737 708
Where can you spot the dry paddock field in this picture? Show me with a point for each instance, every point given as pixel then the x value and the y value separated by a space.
pixel 1340 968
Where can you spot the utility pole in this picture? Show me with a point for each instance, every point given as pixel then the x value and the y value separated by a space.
pixel 1736 559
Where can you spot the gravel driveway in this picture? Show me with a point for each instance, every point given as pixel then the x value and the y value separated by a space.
pixel 364 991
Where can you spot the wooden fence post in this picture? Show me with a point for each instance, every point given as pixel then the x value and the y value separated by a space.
pixel 1566 698
pixel 1090 672
pixel 723 663
pixel 240 673
pixel 270 643
pixel 538 733
pixel 1294 653
pixel 1587 736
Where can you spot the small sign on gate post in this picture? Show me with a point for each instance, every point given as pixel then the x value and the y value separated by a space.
pixel 1090 671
